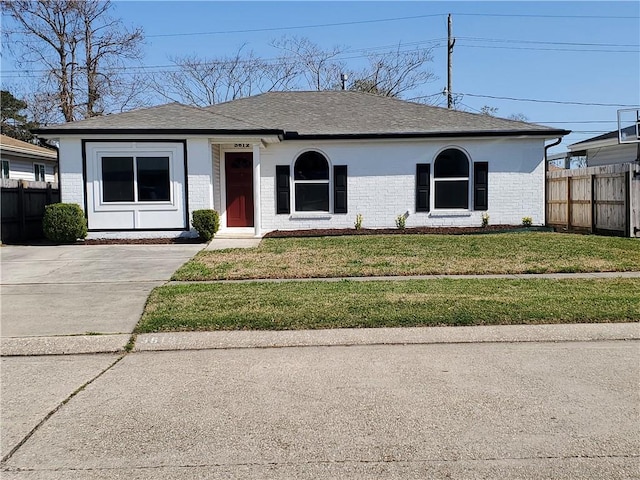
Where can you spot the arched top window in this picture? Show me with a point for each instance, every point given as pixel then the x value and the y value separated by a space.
pixel 451 179
pixel 311 166
pixel 311 182
pixel 451 163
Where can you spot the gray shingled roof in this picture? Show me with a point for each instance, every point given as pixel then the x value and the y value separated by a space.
pixel 300 114
pixel 354 113
pixel 172 116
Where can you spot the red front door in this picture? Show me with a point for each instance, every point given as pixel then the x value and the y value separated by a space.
pixel 239 184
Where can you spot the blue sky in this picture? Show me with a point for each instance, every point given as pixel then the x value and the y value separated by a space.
pixel 588 56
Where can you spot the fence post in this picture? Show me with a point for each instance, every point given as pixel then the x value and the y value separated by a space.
pixel 592 203
pixel 627 204
pixel 22 218
pixel 49 195
pixel 568 203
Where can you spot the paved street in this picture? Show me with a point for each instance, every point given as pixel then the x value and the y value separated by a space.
pixel 479 410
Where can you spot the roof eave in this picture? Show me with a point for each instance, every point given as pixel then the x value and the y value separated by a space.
pixel 587 144
pixel 153 131
pixel 484 133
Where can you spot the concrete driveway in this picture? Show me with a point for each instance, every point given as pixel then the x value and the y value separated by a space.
pixel 80 289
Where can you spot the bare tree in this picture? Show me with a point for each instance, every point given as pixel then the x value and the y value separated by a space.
pixel 392 74
pixel 302 65
pixel 80 49
pixel 204 82
pixel 489 110
pixel 520 117
pixel 493 112
pixel 320 68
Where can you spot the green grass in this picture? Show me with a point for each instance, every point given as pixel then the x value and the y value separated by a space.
pixel 349 304
pixel 348 256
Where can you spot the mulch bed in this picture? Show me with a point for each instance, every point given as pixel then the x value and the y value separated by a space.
pixel 115 241
pixel 317 232
pixel 141 241
pixel 334 232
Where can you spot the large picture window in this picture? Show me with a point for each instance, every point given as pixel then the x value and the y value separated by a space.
pixel 311 183
pixel 451 180
pixel 135 179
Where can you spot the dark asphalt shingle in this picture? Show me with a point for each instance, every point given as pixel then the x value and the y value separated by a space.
pixel 307 113
pixel 353 113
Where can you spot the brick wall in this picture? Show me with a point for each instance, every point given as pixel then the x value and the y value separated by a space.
pixel 200 175
pixel 381 182
pixel 70 172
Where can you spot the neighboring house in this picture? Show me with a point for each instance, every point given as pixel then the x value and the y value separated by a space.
pixel 606 150
pixel 300 160
pixel 25 161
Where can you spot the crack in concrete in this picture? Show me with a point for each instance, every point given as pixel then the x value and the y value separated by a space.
pixel 319 462
pixel 8 456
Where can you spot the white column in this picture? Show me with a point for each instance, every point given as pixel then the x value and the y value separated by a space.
pixel 256 189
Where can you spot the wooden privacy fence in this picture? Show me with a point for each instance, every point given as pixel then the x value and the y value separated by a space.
pixel 603 199
pixel 23 208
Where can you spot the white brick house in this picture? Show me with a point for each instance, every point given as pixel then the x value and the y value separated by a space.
pixel 299 160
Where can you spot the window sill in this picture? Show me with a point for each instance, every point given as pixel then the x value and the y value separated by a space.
pixel 449 213
pixel 310 216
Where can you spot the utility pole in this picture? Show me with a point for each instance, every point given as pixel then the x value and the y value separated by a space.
pixel 450 43
pixel 343 79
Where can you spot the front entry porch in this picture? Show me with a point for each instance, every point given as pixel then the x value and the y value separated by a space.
pixel 236 169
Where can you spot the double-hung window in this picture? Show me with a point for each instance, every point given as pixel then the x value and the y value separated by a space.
pixel 311 182
pixel 136 179
pixel 5 169
pixel 451 180
pixel 38 172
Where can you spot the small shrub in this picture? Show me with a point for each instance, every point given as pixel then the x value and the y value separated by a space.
pixel 358 223
pixel 64 222
pixel 401 222
pixel 485 219
pixel 206 222
pixel 527 221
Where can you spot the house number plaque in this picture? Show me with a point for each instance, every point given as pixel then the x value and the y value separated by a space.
pixel 241 145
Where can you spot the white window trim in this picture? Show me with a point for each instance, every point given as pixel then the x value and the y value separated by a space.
pixel 44 172
pixel 134 149
pixel 311 214
pixel 457 211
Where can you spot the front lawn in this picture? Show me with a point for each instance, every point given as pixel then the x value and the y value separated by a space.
pixel 348 256
pixel 348 304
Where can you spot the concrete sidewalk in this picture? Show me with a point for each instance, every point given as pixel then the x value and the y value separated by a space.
pixel 83 344
pixel 439 411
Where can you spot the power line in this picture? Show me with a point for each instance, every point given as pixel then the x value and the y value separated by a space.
pixel 381 20
pixel 551 49
pixel 294 27
pixel 559 102
pixel 397 48
pixel 612 17
pixel 435 43
pixel 505 40
pixel 582 121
